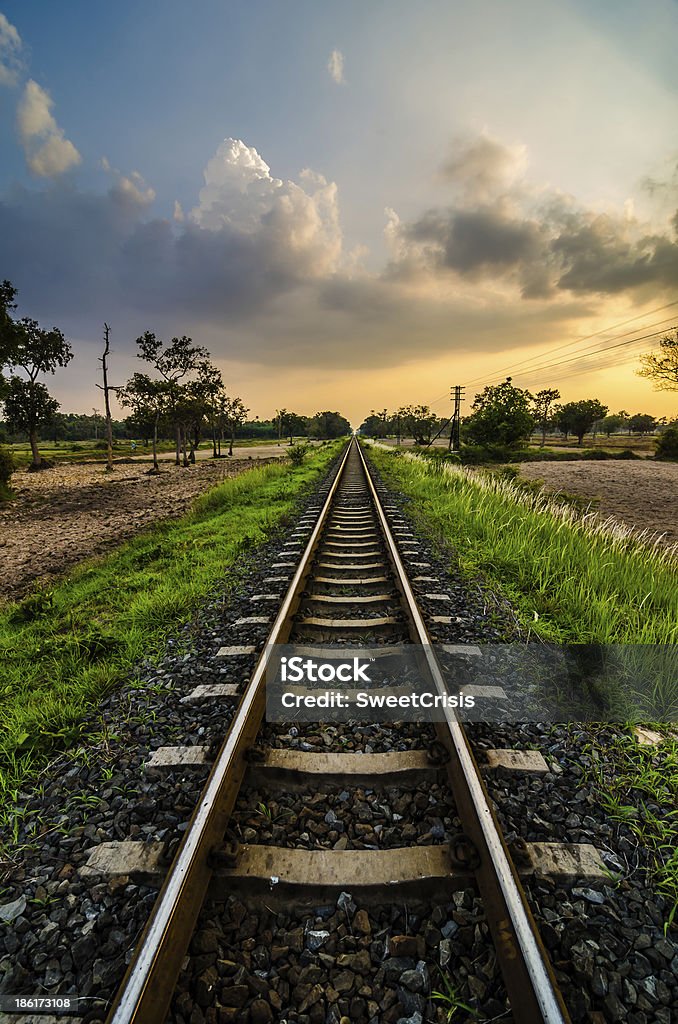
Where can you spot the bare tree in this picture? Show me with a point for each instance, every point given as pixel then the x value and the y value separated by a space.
pixel 107 388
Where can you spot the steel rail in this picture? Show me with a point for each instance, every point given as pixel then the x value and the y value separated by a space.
pixel 148 985
pixel 530 982
pixel 147 988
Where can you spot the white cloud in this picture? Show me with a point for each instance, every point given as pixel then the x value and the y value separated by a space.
pixel 48 152
pixel 10 46
pixel 335 66
pixel 178 214
pixel 297 226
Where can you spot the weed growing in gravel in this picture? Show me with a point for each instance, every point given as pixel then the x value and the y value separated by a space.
pixel 638 787
pixel 573 578
pixel 64 648
pixel 449 998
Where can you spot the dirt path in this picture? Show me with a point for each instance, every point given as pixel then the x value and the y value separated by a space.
pixel 641 494
pixel 63 515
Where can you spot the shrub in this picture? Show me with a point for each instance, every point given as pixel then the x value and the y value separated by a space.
pixel 297 453
pixel 667 443
pixel 477 454
pixel 627 453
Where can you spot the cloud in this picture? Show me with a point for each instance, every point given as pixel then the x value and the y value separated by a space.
pixel 250 239
pixel 257 270
pixel 10 47
pixel 483 167
pixel 335 66
pixel 48 152
pixel 297 224
pixel 133 188
pixel 535 240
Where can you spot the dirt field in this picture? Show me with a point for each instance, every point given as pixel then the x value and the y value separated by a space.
pixel 71 512
pixel 641 494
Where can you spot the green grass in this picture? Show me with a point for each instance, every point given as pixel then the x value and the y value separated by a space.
pixel 570 578
pixel 637 786
pixel 62 648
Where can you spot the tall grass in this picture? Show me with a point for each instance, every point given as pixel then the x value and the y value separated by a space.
pixel 573 577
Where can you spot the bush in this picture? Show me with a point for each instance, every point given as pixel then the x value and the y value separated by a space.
pixel 297 453
pixel 478 455
pixel 627 453
pixel 667 443
pixel 6 469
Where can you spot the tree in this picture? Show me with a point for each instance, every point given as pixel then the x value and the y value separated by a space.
pixel 7 327
pixel 662 367
pixel 418 421
pixel 501 416
pixel 613 424
pixel 173 362
pixel 235 414
pixel 542 404
pixel 374 425
pixel 29 405
pixel 579 417
pixel 210 387
pixel 148 399
pixel 329 424
pixel 667 442
pixel 25 346
pixel 280 415
pixel 642 423
pixel 295 424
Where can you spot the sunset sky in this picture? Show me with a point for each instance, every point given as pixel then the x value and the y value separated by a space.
pixel 352 205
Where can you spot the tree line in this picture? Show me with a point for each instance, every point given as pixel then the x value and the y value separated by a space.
pixel 504 417
pixel 179 394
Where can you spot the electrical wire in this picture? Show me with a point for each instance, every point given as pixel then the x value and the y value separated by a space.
pixel 586 337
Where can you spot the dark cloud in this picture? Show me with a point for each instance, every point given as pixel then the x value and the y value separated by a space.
pixel 473 239
pixel 500 229
pixel 555 248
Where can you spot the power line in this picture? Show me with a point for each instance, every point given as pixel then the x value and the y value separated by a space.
pixel 602 364
pixel 586 355
pixel 589 350
pixel 586 337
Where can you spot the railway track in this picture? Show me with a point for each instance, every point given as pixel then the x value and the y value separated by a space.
pixel 350 585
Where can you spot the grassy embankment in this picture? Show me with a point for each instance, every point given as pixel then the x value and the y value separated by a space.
pixel 62 648
pixel 571 581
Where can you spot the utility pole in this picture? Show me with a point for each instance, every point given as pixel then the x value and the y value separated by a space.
pixel 457 395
